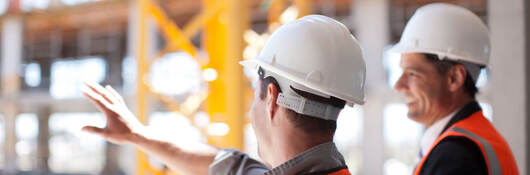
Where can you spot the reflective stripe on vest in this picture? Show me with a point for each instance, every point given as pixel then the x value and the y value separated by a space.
pixel 487 150
pixel 344 171
pixel 497 154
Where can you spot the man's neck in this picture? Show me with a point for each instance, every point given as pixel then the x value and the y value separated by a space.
pixel 291 143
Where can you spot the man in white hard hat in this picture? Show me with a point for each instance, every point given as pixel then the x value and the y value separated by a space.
pixel 443 48
pixel 308 70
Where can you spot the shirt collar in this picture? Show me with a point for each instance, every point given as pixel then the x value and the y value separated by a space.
pixel 316 159
pixel 432 133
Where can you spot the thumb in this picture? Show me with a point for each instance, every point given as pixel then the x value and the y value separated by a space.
pixel 94 130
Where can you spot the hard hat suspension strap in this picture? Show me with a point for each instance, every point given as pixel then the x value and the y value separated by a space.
pixel 309 107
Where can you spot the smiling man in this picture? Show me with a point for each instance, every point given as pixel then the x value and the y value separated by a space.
pixel 308 70
pixel 443 48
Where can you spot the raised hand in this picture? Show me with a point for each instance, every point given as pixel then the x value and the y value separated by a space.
pixel 122 126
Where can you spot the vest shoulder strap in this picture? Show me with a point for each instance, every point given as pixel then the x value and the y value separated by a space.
pixel 344 171
pixel 492 145
pixel 494 166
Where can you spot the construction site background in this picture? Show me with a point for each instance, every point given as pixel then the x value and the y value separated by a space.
pixel 175 63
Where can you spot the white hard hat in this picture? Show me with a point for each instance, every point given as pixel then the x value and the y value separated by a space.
pixel 315 54
pixel 448 31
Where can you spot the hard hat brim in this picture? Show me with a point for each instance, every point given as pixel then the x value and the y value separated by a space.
pixel 250 63
pixel 400 48
pixel 254 63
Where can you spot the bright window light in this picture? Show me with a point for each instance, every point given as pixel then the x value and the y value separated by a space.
pixel 68 76
pixel 68 142
pixel 487 110
pixel 209 74
pixel 402 137
pixel 173 127
pixel 483 78
pixel 29 5
pixel 3 6
pixel 218 129
pixel 391 65
pixel 76 2
pixel 349 137
pixel 26 127
pixel 32 74
pixel 349 127
pixel 129 73
pixel 175 74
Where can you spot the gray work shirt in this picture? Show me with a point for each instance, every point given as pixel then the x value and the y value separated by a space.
pixel 321 159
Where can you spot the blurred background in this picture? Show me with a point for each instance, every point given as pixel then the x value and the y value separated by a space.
pixel 175 63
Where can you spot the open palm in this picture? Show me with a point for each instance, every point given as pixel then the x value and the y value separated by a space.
pixel 122 125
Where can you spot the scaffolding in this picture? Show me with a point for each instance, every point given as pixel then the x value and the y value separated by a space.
pixel 224 23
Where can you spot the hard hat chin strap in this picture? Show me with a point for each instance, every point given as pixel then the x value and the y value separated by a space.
pixel 309 107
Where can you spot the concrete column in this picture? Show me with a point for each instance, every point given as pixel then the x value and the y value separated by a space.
pixel 371 27
pixel 114 57
pixel 373 143
pixel 508 75
pixel 43 149
pixel 527 32
pixel 142 41
pixel 10 63
pixel 151 33
pixel 46 72
pixel 132 28
pixel 10 155
pixel 112 156
pixel 11 54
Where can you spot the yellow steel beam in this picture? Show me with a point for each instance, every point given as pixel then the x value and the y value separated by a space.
pixel 305 7
pixel 180 39
pixel 143 166
pixel 238 14
pixel 278 8
pixel 224 44
pixel 199 20
pixel 187 108
pixel 225 21
pixel 176 39
pixel 141 96
pixel 275 10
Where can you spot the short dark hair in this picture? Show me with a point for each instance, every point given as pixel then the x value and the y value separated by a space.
pixel 306 123
pixel 443 66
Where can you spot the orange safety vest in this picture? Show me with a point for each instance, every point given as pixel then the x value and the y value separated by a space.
pixel 496 152
pixel 344 171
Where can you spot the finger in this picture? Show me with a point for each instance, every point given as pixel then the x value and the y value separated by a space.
pixel 114 93
pixel 94 130
pixel 97 88
pixel 96 96
pixel 88 92
pixel 103 105
pixel 99 105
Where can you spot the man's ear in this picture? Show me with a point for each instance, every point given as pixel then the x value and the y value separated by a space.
pixel 270 100
pixel 457 77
